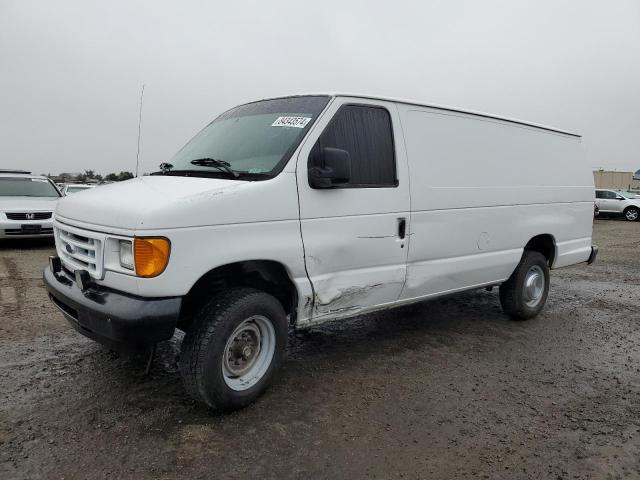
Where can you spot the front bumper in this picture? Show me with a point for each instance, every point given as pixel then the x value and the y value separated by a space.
pixel 116 319
pixel 26 228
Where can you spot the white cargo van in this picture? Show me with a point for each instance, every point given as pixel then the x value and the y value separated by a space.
pixel 289 212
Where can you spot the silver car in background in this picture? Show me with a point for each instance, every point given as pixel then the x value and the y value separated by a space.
pixel 27 203
pixel 613 203
pixel 76 187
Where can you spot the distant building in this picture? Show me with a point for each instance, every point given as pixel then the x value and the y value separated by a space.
pixel 617 180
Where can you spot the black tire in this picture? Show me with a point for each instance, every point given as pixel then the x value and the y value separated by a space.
pixel 203 348
pixel 632 214
pixel 513 292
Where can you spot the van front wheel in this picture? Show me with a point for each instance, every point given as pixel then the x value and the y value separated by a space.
pixel 234 348
pixel 525 292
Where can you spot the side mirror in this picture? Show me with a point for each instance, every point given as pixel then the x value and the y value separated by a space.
pixel 619 198
pixel 332 167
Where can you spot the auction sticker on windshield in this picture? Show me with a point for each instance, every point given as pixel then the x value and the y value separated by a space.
pixel 296 122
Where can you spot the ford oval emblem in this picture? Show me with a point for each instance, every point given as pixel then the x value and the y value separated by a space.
pixel 68 248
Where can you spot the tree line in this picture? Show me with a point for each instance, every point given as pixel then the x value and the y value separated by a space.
pixel 90 176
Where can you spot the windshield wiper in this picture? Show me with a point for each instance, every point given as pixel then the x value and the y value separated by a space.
pixel 212 162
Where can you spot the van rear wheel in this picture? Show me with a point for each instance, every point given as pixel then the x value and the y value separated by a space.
pixel 524 294
pixel 234 348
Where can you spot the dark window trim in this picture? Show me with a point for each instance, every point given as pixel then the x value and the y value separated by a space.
pixel 393 145
pixel 55 187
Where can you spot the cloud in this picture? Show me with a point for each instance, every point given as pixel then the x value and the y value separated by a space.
pixel 72 70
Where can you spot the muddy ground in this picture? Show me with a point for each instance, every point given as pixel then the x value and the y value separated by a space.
pixel 445 389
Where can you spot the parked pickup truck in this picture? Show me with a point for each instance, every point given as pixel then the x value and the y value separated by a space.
pixel 289 212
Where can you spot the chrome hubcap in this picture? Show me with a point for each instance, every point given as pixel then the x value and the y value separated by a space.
pixel 533 286
pixel 248 353
pixel 241 354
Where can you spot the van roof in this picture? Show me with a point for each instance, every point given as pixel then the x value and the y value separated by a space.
pixel 440 107
pixel 9 170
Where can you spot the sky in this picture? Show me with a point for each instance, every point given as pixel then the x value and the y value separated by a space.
pixel 71 71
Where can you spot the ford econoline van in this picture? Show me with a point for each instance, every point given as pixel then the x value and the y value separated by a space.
pixel 289 212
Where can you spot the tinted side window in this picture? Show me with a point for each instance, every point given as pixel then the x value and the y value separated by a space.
pixel 599 194
pixel 610 195
pixel 365 132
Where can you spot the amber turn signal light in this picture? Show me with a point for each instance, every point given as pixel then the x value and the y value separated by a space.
pixel 151 256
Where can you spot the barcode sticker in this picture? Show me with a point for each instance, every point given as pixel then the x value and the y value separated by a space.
pixel 295 122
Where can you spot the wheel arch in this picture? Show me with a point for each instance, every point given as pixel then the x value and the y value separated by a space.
pixel 269 276
pixel 545 244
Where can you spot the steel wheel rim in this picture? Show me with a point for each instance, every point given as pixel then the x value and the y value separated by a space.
pixel 248 353
pixel 632 214
pixel 534 283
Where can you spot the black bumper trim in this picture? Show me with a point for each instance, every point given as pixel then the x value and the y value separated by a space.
pixel 115 319
pixel 594 254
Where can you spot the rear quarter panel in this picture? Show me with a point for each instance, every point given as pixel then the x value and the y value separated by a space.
pixel 481 189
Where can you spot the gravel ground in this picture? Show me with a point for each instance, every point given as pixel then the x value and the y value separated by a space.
pixel 444 389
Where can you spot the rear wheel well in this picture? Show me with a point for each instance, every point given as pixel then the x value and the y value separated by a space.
pixel 265 275
pixel 545 244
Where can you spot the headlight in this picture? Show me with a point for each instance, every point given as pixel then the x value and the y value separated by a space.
pixel 140 256
pixel 126 254
pixel 151 256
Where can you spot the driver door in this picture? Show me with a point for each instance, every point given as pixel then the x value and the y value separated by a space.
pixel 355 235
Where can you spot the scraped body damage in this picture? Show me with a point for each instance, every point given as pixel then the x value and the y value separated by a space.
pixel 342 302
pixel 351 299
pixel 337 301
pixel 350 274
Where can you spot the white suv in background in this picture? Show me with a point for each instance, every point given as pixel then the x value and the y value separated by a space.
pixel 610 202
pixel 27 203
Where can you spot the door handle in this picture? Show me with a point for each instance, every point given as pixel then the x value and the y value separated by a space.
pixel 402 228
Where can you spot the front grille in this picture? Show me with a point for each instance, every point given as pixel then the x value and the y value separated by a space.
pixel 79 249
pixel 28 215
pixel 18 231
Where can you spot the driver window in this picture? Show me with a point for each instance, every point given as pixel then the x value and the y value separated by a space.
pixel 365 132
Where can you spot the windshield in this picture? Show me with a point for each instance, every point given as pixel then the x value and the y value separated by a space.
pixel 627 195
pixel 26 187
pixel 254 139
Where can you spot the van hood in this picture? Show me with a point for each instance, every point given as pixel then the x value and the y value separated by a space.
pixel 28 204
pixel 146 202
pixel 165 202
